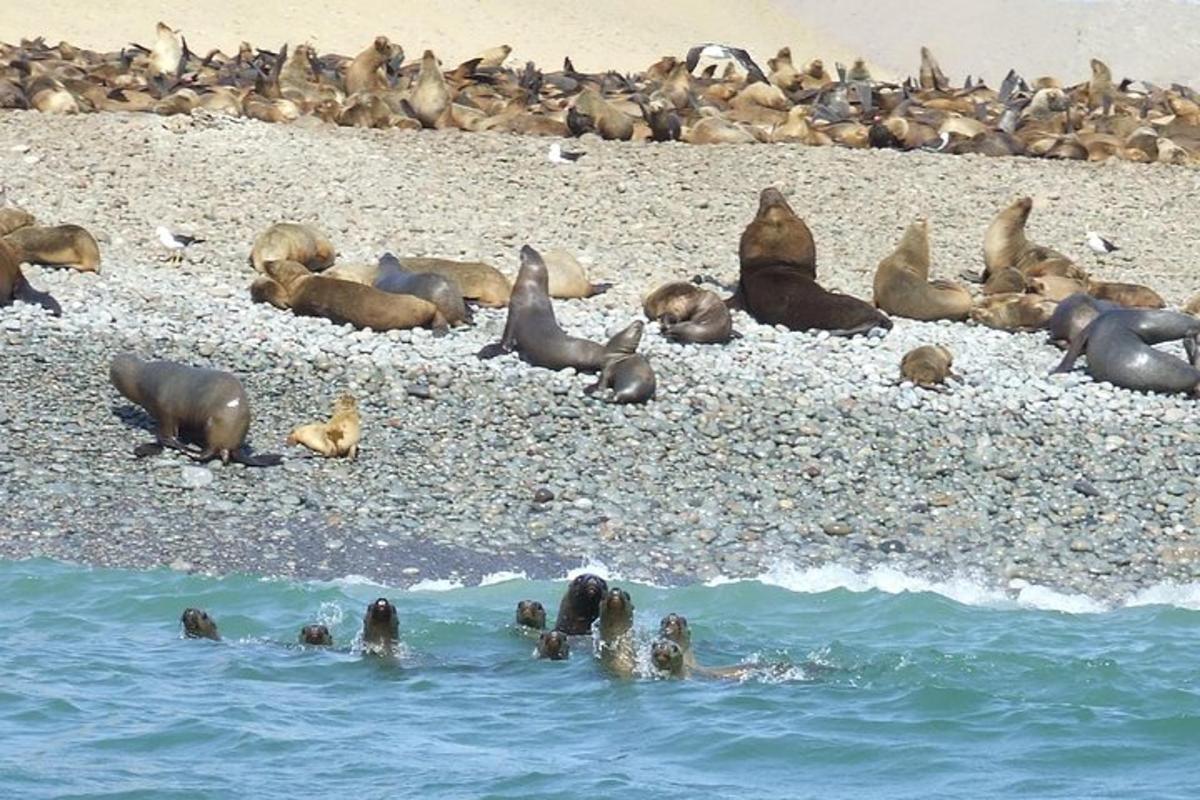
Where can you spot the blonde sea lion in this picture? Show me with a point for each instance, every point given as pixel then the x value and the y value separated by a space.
pixel 615 643
pixel 601 116
pixel 688 313
pixel 927 366
pixel 1055 287
pixel 291 241
pixel 626 372
pixel 1013 312
pixel 568 280
pixel 166 53
pixel 1008 280
pixel 13 284
pixel 336 438
pixel 1005 245
pixel 1132 295
pixel 365 73
pixel 430 98
pixel 381 627
pixel 531 614
pixel 13 218
pixel 580 604
pixel 902 286
pixel 197 624
pixel 57 246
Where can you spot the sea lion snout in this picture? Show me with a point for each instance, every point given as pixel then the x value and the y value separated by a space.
pixel 382 610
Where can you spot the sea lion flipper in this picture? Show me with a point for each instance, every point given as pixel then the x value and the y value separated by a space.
pixel 30 295
pixel 492 351
pixel 973 277
pixel 598 288
pixel 148 449
pixel 1072 354
pixel 257 459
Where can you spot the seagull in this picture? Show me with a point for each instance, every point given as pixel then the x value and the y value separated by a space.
pixel 558 156
pixel 722 52
pixel 175 242
pixel 1099 244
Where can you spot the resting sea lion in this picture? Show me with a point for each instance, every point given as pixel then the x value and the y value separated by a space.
pixel 381 626
pixel 477 281
pixel 567 277
pixel 430 286
pixel 431 97
pixel 580 605
pixel 553 646
pixel 1013 312
pixel 1118 346
pixel 1005 245
pixel 291 241
pixel 197 624
pixel 1008 280
pixel 1072 315
pixel 337 437
pixel 902 286
pixel 317 635
pixel 1132 295
pixel 1055 287
pixel 189 404
pixel 777 284
pixel 58 246
pixel 13 218
pixel 625 371
pixel 345 302
pixel 927 366
pixel 616 633
pixel 688 313
pixel 534 333
pixel 13 284
pixel 531 614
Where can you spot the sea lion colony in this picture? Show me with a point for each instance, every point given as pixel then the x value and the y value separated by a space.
pixel 1095 120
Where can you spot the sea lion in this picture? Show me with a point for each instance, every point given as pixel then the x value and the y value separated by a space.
pixel 1055 287
pixel 197 624
pixel 615 642
pixel 674 627
pixel 531 614
pixel 688 313
pixel 667 657
pixel 1005 245
pixel 1013 312
pixel 430 286
pixel 567 277
pixel 365 73
pixel 1118 346
pixel 927 366
pixel 13 284
pixel 13 218
pixel 534 333
pixel 291 241
pixel 381 627
pixel 431 96
pixel 553 646
pixel 166 53
pixel 479 282
pixel 580 605
pixel 1072 315
pixel 1007 280
pixel 625 371
pixel 1132 295
pixel 777 283
pixel 57 246
pixel 336 438
pixel 344 302
pixel 902 286
pixel 189 404
pixel 316 635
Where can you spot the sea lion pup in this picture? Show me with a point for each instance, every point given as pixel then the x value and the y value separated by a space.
pixel 1072 315
pixel 444 293
pixel 531 614
pixel 365 73
pixel 1013 312
pixel 688 313
pixel 13 284
pixel 430 98
pixel 902 286
pixel 554 646
pixel 568 280
pixel 291 241
pixel 197 624
pixel 534 333
pixel 480 283
pixel 344 302
pixel 381 627
pixel 777 284
pixel 927 366
pixel 57 246
pixel 615 642
pixel 668 658
pixel 1005 245
pixel 1118 346
pixel 626 372
pixel 580 605
pixel 316 635
pixel 189 404
pixel 13 218
pixel 1132 295
pixel 336 438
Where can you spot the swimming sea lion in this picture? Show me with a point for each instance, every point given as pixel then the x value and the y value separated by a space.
pixel 197 624
pixel 667 657
pixel 343 302
pixel 567 277
pixel 437 289
pixel 688 313
pixel 381 626
pixel 13 284
pixel 616 633
pixel 291 241
pixel 554 646
pixel 927 366
pixel 1013 312
pixel 1072 315
pixel 626 372
pixel 580 605
pixel 13 218
pixel 777 284
pixel 57 246
pixel 189 404
pixel 902 286
pixel 317 635
pixel 1118 346
pixel 335 438
pixel 477 281
pixel 674 627
pixel 531 614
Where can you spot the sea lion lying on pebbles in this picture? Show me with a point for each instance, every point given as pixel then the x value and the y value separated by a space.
pixel 580 605
pixel 1005 245
pixel 189 404
pixel 14 286
pixel 13 218
pixel 57 246
pixel 902 286
pixel 554 646
pixel 478 282
pixel 625 371
pixel 1072 315
pixel 291 241
pixel 567 277
pixel 197 624
pixel 927 366
pixel 688 313
pixel 1013 312
pixel 335 438
pixel 1130 295
pixel 531 614
pixel 381 627
pixel 615 642
pixel 316 635
pixel 1118 346
pixel 443 292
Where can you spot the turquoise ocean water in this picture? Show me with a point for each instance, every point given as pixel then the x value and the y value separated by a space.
pixel 877 690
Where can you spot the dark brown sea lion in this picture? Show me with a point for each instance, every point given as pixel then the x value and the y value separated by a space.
pixel 554 646
pixel 430 286
pixel 580 605
pixel 1072 315
pixel 197 624
pixel 902 286
pixel 531 614
pixel 777 285
pixel 317 635
pixel 927 366
pixel 616 633
pixel 57 246
pixel 13 284
pixel 626 372
pixel 291 241
pixel 1119 349
pixel 381 626
pixel 189 404
pixel 688 313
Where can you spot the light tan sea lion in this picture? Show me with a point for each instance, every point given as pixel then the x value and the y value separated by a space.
pixel 13 284
pixel 667 657
pixel 1005 245
pixel 58 246
pixel 688 313
pixel 568 280
pixel 291 241
pixel 1013 312
pixel 49 96
pixel 607 121
pixel 344 302
pixel 927 366
pixel 1131 295
pixel 480 282
pixel 336 438
pixel 1055 287
pixel 1008 280
pixel 494 57
pixel 166 53
pixel 430 99
pixel 365 73
pixel 354 271
pixel 902 286
pixel 626 372
pixel 197 624
pixel 13 218
pixel 615 643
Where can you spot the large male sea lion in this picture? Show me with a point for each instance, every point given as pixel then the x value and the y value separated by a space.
pixel 1118 346
pixel 1072 315
pixel 381 627
pixel 197 624
pixel 616 633
pixel 902 286
pixel 626 372
pixel 57 246
pixel 688 313
pixel 291 241
pixel 531 614
pixel 13 284
pixel 317 635
pixel 580 605
pixel 207 407
pixel 336 438
pixel 777 285
pixel 554 646
pixel 437 289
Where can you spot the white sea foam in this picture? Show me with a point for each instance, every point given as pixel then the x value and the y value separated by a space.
pixel 503 576
pixel 1181 595
pixel 436 585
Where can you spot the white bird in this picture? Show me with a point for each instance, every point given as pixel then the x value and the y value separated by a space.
pixel 721 52
pixel 1099 244
pixel 558 156
pixel 175 242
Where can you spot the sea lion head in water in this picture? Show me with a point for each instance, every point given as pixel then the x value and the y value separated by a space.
pixel 667 656
pixel 197 624
pixel 616 632
pixel 531 614
pixel 381 624
pixel 554 646
pixel 317 635
pixel 580 605
pixel 675 627
pixel 777 236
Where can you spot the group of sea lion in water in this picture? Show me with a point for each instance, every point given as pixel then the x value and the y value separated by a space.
pixel 1094 120
pixel 588 606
